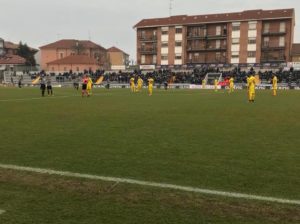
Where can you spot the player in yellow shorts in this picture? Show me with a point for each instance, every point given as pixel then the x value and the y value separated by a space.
pixel 139 84
pixel 132 85
pixel 231 85
pixel 216 85
pixel 203 84
pixel 274 85
pixel 89 86
pixel 150 86
pixel 251 92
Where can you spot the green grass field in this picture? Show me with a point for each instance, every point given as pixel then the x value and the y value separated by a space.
pixel 194 138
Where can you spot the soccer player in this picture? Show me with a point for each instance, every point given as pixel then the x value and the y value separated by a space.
pixel 150 86
pixel 84 86
pixel 231 85
pixel 274 85
pixel 139 84
pixel 89 86
pixel 251 92
pixel 49 85
pixel 132 85
pixel 43 86
pixel 216 85
pixel 203 84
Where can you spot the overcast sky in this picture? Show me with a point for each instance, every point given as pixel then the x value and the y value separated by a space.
pixel 108 23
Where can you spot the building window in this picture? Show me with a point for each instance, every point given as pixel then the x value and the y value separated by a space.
pixel 235 54
pixel 154 59
pixel 252 40
pixel 143 59
pixel 251 54
pixel 266 27
pixel 178 57
pixel 218 44
pixel 218 56
pixel 235 40
pixel 143 34
pixel 281 42
pixel 178 44
pixel 164 57
pixel 164 44
pixel 266 41
pixel 178 29
pixel 218 30
pixel 236 26
pixel 252 25
pixel 165 30
pixel 282 27
pixel 281 55
pixel 61 55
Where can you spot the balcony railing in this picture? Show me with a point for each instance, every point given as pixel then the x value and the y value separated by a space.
pixel 206 37
pixel 147 50
pixel 205 49
pixel 273 33
pixel 148 38
pixel 266 59
pixel 271 46
pixel 206 61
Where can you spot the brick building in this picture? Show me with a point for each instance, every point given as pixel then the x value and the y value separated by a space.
pixel 242 38
pixel 75 55
pixel 118 58
pixel 295 53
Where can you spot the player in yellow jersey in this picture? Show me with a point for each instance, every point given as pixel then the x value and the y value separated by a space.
pixel 203 84
pixel 231 85
pixel 132 85
pixel 216 85
pixel 251 92
pixel 150 86
pixel 89 86
pixel 274 85
pixel 139 84
pixel 248 77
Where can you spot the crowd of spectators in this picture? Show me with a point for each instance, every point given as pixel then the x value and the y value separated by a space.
pixel 194 76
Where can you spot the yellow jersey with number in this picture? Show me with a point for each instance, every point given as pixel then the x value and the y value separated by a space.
pixel 150 82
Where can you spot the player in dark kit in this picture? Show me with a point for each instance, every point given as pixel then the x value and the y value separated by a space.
pixel 43 86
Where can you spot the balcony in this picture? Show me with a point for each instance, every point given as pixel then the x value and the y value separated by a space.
pixel 271 47
pixel 206 37
pixel 270 59
pixel 147 50
pixel 147 38
pixel 206 61
pixel 273 33
pixel 206 49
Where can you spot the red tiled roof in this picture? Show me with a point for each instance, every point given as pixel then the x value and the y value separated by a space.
pixel 75 59
pixel 295 49
pixel 11 60
pixel 213 18
pixel 115 49
pixel 70 44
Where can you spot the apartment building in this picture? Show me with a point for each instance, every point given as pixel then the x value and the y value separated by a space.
pixel 240 38
pixel 118 58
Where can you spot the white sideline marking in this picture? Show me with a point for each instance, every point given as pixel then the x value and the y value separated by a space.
pixel 152 184
pixel 1 212
pixel 48 97
pixel 35 98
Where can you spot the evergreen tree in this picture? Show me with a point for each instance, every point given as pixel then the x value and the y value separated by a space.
pixel 27 53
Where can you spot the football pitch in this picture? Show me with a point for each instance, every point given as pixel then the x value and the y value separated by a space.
pixel 190 139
